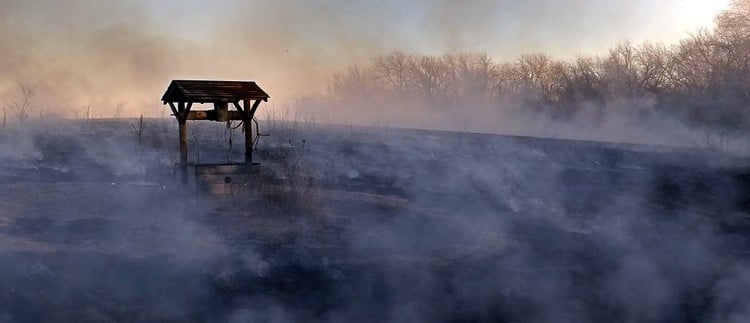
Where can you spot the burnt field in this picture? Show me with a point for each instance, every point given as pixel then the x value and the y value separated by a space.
pixel 367 224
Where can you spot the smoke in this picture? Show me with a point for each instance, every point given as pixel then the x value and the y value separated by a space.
pixel 82 228
pixel 109 53
pixel 347 223
pixel 351 223
pixel 515 229
pixel 367 224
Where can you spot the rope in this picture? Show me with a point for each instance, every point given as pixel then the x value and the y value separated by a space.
pixel 229 125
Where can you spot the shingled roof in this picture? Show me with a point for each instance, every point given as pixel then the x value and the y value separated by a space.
pixel 204 91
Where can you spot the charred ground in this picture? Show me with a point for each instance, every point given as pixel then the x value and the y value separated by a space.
pixel 368 224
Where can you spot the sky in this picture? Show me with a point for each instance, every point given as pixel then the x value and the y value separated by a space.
pixel 108 53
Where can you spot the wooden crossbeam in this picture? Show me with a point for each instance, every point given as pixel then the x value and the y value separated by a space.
pixel 237 106
pixel 174 109
pixel 187 110
pixel 211 115
pixel 180 112
pixel 252 112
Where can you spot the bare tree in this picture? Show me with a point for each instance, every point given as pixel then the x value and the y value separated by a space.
pixel 621 71
pixel 733 26
pixel 393 69
pixel 732 44
pixel 582 81
pixel 429 76
pixel 21 109
pixel 356 84
pixel 42 113
pixel 138 130
pixel 485 73
pixel 508 80
pixel 694 62
pixel 87 111
pixel 471 75
pixel 652 61
pixel 736 18
pixel 542 76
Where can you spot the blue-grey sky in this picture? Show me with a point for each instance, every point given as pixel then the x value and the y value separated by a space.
pixel 109 51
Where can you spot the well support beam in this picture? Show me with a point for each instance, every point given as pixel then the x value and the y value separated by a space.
pixel 173 108
pixel 249 113
pixel 182 110
pixel 247 121
pixel 182 120
pixel 237 106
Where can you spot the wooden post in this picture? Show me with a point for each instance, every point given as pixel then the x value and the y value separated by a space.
pixel 182 120
pixel 248 122
pixel 181 117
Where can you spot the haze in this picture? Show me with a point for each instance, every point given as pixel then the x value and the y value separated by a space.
pixel 110 52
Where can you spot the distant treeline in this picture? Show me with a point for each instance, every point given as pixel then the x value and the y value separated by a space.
pixel 704 79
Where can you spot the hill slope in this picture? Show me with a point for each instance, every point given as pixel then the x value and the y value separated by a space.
pixel 368 224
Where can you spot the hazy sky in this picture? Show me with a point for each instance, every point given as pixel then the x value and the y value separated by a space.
pixel 79 51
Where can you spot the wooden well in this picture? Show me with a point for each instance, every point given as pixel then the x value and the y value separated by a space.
pixel 243 96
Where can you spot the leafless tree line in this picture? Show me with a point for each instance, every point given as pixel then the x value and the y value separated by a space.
pixel 703 79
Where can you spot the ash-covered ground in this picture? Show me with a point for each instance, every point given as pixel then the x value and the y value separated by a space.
pixel 367 224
